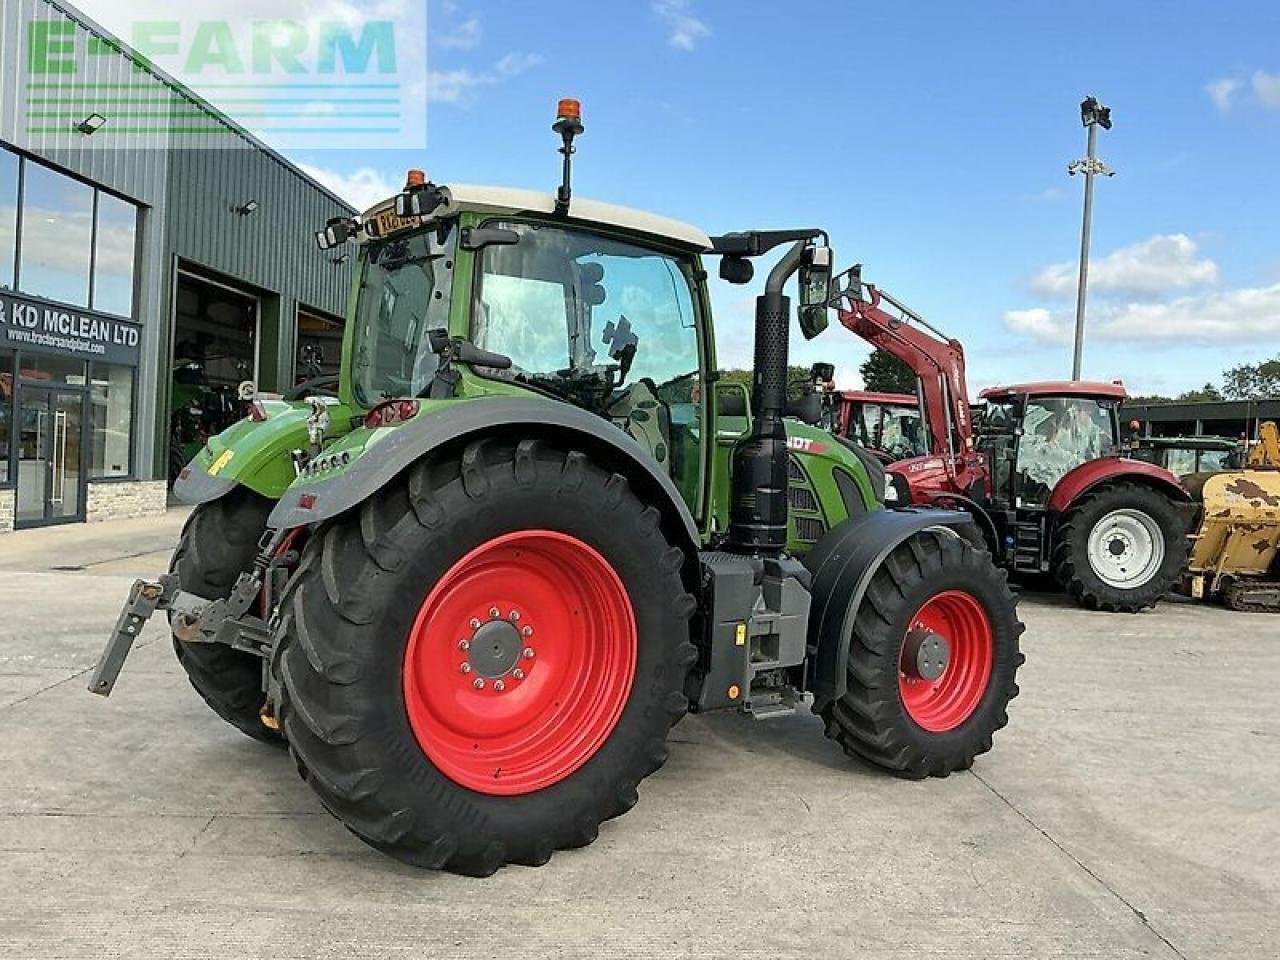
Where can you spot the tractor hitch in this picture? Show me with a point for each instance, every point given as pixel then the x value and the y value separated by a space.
pixel 195 620
pixel 145 598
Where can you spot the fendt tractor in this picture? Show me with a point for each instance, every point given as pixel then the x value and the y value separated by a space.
pixel 1043 472
pixel 473 583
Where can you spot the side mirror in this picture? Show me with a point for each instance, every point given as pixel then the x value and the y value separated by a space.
pixel 420 200
pixel 734 269
pixel 815 291
pixel 477 238
pixel 336 232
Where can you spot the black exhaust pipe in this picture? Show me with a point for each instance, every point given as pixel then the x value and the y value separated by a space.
pixel 758 504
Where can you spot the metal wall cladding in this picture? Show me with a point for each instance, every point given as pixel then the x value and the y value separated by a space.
pixel 274 246
pixel 134 165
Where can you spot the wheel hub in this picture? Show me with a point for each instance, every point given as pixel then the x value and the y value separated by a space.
pixel 1125 548
pixel 494 649
pixel 926 654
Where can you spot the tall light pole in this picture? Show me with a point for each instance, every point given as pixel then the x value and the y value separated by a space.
pixel 1092 115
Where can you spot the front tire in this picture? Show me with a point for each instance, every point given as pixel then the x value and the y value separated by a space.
pixel 1120 548
pixel 932 662
pixel 481 663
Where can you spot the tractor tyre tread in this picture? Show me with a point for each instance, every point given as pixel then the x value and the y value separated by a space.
pixel 341 700
pixel 218 542
pixel 1070 560
pixel 870 721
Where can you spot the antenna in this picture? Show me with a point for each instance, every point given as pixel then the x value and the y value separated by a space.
pixel 568 124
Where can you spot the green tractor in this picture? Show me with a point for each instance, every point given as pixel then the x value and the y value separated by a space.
pixel 474 582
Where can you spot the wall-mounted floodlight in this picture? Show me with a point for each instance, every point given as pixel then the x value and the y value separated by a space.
pixel 91 124
pixel 246 208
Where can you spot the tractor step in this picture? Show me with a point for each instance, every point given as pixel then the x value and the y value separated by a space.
pixel 1028 539
pixel 771 702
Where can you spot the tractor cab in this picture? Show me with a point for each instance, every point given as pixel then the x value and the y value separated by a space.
pixel 1035 434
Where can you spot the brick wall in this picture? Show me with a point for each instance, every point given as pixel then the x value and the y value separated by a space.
pixel 6 510
pixel 116 501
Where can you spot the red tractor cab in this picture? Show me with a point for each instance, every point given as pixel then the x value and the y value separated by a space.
pixel 1041 466
pixel 890 425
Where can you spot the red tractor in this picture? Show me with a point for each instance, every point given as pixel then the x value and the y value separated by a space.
pixel 887 424
pixel 1042 470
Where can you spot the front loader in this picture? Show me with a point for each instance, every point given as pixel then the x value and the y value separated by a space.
pixel 474 589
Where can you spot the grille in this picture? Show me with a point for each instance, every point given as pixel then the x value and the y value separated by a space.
pixel 809 529
pixel 801 499
pixel 795 471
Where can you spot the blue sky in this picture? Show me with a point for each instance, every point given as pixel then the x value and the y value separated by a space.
pixel 931 141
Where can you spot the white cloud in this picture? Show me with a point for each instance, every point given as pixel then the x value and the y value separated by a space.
pixel 459 86
pixel 1243 315
pixel 685 28
pixel 514 64
pixel 1222 92
pixel 1266 87
pixel 462 36
pixel 455 86
pixel 1039 324
pixel 1158 265
pixel 361 188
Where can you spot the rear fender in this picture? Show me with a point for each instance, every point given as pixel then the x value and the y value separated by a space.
pixel 1088 475
pixel 253 453
pixel 314 499
pixel 843 563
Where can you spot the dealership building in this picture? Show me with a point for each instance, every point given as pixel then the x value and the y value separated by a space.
pixel 145 272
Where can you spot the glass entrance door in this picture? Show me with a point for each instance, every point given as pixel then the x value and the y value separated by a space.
pixel 50 461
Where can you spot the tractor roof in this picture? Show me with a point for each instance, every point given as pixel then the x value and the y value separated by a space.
pixel 889 399
pixel 510 200
pixel 1057 388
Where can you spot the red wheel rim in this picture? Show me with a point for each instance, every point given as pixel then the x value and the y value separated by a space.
pixel 508 721
pixel 949 700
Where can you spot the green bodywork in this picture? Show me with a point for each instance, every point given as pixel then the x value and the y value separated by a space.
pixel 260 453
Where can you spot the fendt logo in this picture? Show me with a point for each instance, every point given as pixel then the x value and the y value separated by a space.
pixel 296 82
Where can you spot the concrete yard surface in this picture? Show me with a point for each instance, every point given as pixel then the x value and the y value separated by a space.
pixel 1130 810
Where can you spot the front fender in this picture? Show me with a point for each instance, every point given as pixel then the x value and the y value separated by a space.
pixel 843 563
pixel 313 499
pixel 1094 472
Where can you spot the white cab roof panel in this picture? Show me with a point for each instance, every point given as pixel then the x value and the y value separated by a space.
pixel 513 200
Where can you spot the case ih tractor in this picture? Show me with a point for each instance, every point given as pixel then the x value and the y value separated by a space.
pixel 1041 472
pixel 887 424
pixel 474 589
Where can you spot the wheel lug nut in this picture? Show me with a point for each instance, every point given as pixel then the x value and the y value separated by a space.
pixel 479 684
pixel 499 685
pixel 517 674
pixel 515 614
pixel 475 624
pixel 494 612
pixel 526 631
pixel 464 644
pixel 465 668
pixel 528 653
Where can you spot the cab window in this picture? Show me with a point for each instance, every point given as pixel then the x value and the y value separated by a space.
pixel 1059 434
pixel 605 325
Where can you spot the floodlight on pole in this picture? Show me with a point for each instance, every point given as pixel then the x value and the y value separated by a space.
pixel 1093 115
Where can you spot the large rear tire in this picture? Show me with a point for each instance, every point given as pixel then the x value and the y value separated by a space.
pixel 480 664
pixel 1120 548
pixel 933 660
pixel 219 542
